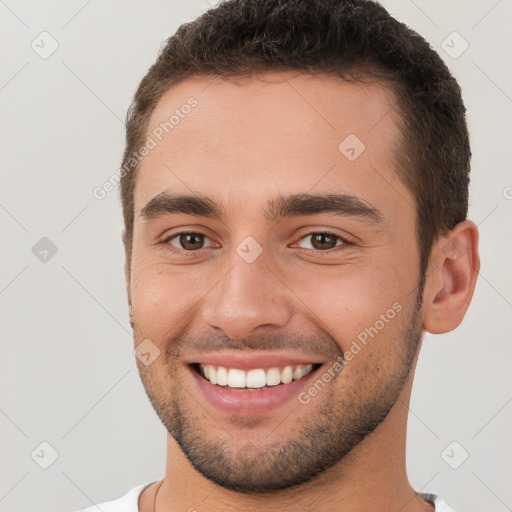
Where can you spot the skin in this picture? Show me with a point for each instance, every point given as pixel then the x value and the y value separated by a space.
pixel 245 142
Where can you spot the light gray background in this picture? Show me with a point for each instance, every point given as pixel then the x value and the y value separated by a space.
pixel 68 374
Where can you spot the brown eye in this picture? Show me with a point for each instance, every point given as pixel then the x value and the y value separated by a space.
pixel 322 241
pixel 188 241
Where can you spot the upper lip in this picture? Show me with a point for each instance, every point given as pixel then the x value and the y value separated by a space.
pixel 260 359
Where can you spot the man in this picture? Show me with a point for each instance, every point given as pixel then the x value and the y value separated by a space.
pixel 295 191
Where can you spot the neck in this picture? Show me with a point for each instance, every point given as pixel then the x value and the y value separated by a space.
pixel 371 477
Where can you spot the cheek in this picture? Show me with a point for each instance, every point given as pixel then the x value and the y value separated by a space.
pixel 349 299
pixel 162 300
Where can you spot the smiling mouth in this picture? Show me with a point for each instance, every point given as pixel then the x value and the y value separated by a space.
pixel 254 379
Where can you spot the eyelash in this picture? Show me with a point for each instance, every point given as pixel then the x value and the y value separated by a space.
pixel 315 252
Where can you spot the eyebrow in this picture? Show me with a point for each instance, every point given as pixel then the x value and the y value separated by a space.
pixel 277 208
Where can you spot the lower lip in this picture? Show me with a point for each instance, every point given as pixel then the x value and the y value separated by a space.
pixel 250 402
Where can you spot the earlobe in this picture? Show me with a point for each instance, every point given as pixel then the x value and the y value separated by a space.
pixel 455 264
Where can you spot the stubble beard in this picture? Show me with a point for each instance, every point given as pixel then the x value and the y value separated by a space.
pixel 336 426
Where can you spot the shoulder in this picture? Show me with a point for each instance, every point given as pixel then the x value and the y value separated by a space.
pixel 438 502
pixel 128 502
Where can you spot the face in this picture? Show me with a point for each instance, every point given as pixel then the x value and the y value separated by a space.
pixel 281 293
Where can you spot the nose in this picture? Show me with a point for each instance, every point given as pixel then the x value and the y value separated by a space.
pixel 249 296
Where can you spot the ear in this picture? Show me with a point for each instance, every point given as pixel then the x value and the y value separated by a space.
pixel 127 272
pixel 451 279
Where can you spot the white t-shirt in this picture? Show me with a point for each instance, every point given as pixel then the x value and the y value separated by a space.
pixel 129 502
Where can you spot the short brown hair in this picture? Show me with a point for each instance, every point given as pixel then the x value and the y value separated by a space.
pixel 352 39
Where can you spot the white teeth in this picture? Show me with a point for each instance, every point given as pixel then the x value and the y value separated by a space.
pixel 253 379
pixel 236 378
pixel 212 375
pixel 273 377
pixel 256 378
pixel 222 376
pixel 287 375
pixel 297 374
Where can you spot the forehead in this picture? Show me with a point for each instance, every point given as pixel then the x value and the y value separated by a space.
pixel 278 131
